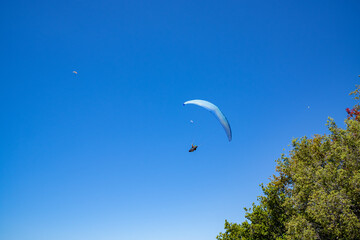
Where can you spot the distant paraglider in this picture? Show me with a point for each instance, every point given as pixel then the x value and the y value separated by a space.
pixel 216 111
pixel 75 72
pixel 193 148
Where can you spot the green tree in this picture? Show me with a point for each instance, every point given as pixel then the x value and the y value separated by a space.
pixel 315 193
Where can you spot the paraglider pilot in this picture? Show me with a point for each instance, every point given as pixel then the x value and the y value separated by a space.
pixel 193 148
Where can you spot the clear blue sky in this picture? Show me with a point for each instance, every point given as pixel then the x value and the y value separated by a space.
pixel 104 154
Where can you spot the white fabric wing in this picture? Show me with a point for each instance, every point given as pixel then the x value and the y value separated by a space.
pixel 216 111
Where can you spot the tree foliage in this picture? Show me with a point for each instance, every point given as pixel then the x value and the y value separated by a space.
pixel 315 193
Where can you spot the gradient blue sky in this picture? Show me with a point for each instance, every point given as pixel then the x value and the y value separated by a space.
pixel 104 154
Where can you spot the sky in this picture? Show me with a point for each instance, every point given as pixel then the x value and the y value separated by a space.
pixel 103 154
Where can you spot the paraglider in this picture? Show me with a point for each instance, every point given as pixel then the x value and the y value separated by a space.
pixel 216 111
pixel 75 72
pixel 193 148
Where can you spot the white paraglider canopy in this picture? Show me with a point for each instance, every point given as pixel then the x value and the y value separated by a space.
pixel 216 111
